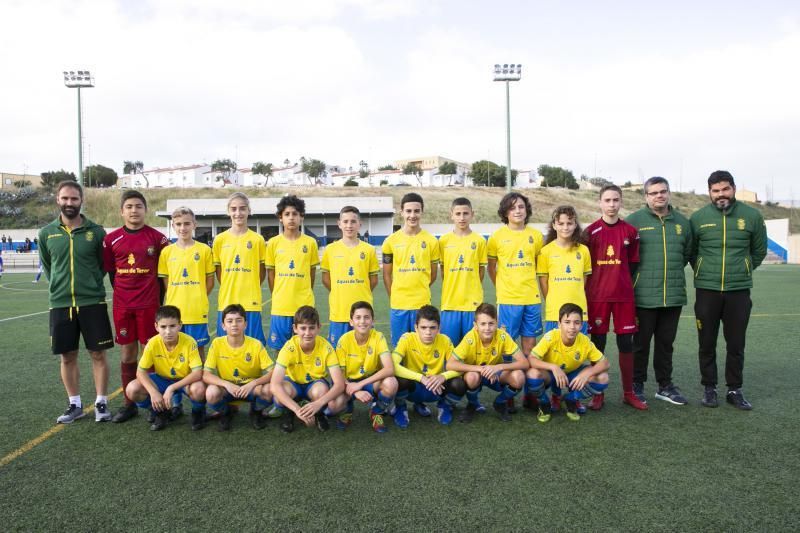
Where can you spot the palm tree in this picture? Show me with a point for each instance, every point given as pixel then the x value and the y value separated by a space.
pixel 135 167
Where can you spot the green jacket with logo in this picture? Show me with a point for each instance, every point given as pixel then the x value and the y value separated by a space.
pixel 728 246
pixel 73 262
pixel 665 246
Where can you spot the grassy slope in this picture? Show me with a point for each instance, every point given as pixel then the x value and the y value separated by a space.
pixel 103 207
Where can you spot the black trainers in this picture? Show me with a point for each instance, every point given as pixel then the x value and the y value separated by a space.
pixel 126 413
pixel 225 421
pixel 736 398
pixel 670 394
pixel 151 416
pixel 512 408
pixel 257 419
pixel 710 396
pixel 72 414
pixel 175 412
pixel 322 421
pixel 502 410
pixel 287 422
pixel 468 414
pixel 160 422
pixel 198 420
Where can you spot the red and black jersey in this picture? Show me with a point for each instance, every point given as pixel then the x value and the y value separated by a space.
pixel 132 255
pixel 613 248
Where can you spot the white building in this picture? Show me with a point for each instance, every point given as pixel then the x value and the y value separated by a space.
pixel 180 176
pixel 528 179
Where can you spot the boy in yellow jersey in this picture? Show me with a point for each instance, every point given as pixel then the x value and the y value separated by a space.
pixel 566 359
pixel 512 252
pixel 186 269
pixel 306 365
pixel 410 257
pixel 369 370
pixel 177 368
pixel 239 260
pixel 291 261
pixel 419 364
pixel 489 356
pixel 563 266
pixel 238 368
pixel 463 265
pixel 349 272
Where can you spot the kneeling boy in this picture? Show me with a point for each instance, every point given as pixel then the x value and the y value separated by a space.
pixel 304 366
pixel 489 356
pixel 238 368
pixel 565 358
pixel 369 370
pixel 177 368
pixel 419 364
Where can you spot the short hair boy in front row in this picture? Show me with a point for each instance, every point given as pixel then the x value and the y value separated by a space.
pixel 419 364
pixel 565 358
pixel 177 368
pixel 368 366
pixel 304 367
pixel 489 356
pixel 238 368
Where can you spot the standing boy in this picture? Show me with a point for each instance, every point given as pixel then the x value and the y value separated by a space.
pixel 349 272
pixel 410 256
pixel 186 269
pixel 130 256
pixel 291 262
pixel 463 265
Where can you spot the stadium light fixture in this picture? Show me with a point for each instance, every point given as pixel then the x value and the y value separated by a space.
pixel 78 79
pixel 508 72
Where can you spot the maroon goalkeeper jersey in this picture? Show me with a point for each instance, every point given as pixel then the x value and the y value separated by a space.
pixel 613 248
pixel 133 257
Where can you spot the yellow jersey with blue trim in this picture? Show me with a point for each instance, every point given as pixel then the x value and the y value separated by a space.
pixel 239 258
pixel 551 349
pixel 462 259
pixel 350 268
pixel 186 271
pixel 238 365
pixel 292 261
pixel 360 361
pixel 472 351
pixel 302 367
pixel 173 364
pixel 515 252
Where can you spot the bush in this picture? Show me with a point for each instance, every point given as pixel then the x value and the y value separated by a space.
pixel 351 183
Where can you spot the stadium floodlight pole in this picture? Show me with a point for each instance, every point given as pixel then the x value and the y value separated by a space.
pixel 508 73
pixel 77 79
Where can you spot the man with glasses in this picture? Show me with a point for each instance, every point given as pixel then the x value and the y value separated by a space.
pixel 665 246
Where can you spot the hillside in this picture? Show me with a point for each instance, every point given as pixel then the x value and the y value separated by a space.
pixel 36 208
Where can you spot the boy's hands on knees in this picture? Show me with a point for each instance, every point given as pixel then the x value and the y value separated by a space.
pixel 435 384
pixel 246 389
pixel 561 378
pixel 352 387
pixel 232 389
pixel 488 372
pixel 157 402
pixel 363 396
pixel 168 394
pixel 580 381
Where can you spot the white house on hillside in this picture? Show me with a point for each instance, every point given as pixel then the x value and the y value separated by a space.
pixel 180 176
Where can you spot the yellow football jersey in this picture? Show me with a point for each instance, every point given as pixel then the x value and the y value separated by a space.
pixel 552 350
pixel 302 367
pixel 240 258
pixel 186 270
pixel 292 262
pixel 349 269
pixel 175 364
pixel 471 350
pixel 413 257
pixel 516 253
pixel 238 365
pixel 566 271
pixel 427 359
pixel 462 258
pixel 361 361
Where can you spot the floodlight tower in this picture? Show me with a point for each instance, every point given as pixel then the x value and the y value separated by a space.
pixel 77 79
pixel 508 73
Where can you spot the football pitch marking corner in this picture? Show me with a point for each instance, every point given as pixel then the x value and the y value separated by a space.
pixel 31 444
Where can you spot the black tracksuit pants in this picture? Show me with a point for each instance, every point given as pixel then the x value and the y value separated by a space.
pixel 661 325
pixel 733 309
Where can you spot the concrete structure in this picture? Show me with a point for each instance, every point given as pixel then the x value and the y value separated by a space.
pixel 8 179
pixel 322 213
pixel 528 179
pixel 180 176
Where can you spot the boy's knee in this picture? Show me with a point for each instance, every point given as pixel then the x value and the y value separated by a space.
pixel 456 386
pixel 516 379
pixel 317 390
pixel 472 380
pixel 388 386
pixel 265 393
pixel 70 358
pixel 99 357
pixel 213 394
pixel 135 391
pixel 534 373
pixel 601 378
pixel 197 391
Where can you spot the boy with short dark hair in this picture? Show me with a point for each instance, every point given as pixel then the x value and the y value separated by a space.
pixel 177 369
pixel 304 367
pixel 238 368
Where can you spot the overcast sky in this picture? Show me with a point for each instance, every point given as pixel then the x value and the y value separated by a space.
pixel 629 89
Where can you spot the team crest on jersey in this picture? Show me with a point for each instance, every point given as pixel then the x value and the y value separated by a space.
pixel 151 250
pixel 474 245
pixel 123 332
pixel 530 239
pixel 305 249
pixel 317 362
pixel 424 245
pixel 436 354
pixel 182 359
pixel 578 256
pixel 469 341
pixel 369 350
pixel 577 356
pixel 90 236
pixel 362 255
pixel 626 242
pixel 598 321
pixel 249 245
pixel 740 224
pixel 248 357
pixel 494 351
pixel 678 229
pixel 196 256
pixel 502 336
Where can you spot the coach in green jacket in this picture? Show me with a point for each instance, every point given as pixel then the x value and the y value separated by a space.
pixel 730 242
pixel 70 249
pixel 665 247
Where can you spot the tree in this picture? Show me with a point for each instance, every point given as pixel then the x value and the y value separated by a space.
pixel 600 182
pixel 413 169
pixel 448 168
pixel 100 176
pixel 557 177
pixel 351 183
pixel 20 184
pixel 363 171
pixel 226 167
pixel 488 174
pixel 135 167
pixel 54 177
pixel 387 167
pixel 315 169
pixel 262 169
